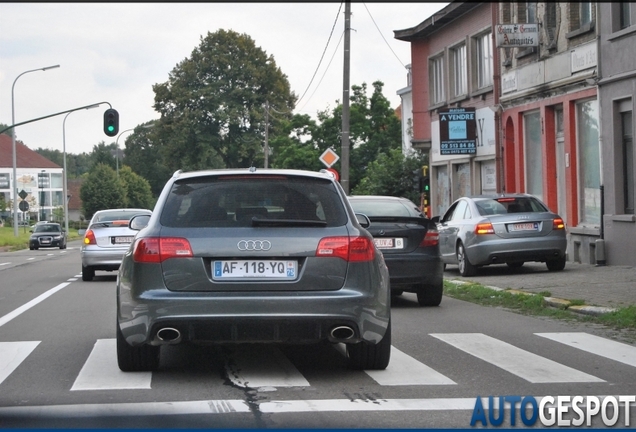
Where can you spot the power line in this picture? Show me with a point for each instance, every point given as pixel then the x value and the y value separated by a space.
pixel 385 41
pixel 323 55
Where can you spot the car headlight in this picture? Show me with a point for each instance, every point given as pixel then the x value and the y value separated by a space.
pixel 57 237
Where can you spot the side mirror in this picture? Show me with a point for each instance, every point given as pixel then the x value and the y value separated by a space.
pixel 363 220
pixel 138 222
pixel 81 231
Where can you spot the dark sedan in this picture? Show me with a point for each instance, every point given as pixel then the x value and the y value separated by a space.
pixel 47 235
pixel 501 229
pixel 410 244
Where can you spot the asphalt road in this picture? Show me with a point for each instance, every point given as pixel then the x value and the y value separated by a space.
pixel 58 365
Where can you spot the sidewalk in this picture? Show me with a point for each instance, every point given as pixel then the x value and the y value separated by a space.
pixel 602 288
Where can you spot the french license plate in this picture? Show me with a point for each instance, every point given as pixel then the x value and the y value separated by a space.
pixel 123 240
pixel 525 226
pixel 255 269
pixel 389 243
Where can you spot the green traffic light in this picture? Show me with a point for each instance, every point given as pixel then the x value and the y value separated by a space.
pixel 111 128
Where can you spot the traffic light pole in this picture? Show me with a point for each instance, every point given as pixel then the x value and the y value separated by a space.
pixel 15 186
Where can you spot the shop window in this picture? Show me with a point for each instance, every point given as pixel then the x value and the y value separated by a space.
pixel 589 166
pixel 441 191
pixel 461 180
pixel 533 154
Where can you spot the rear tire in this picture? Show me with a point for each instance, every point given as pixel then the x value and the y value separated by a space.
pixel 465 267
pixel 556 265
pixel 87 274
pixel 364 355
pixel 430 295
pixel 142 358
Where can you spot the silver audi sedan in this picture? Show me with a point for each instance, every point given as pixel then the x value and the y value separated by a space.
pixel 106 240
pixel 253 256
pixel 501 229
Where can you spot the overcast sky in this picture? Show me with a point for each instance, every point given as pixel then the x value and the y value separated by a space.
pixel 116 52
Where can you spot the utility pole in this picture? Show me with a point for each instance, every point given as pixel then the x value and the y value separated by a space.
pixel 266 134
pixel 344 164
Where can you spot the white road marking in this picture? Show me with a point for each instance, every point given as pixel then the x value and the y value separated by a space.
pixel 100 372
pixel 405 370
pixel 524 364
pixel 268 367
pixel 12 354
pixel 8 317
pixel 596 345
pixel 5 263
pixel 30 259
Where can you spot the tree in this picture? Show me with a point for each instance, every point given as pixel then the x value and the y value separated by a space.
pixel 104 154
pixel 374 130
pixel 142 155
pixel 293 148
pixel 391 174
pixel 101 190
pixel 213 105
pixel 137 189
pixel 7 132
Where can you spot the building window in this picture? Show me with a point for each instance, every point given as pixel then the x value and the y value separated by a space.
pixel 625 12
pixel 551 24
pixel 459 72
pixel 531 12
pixel 483 48
pixel 627 140
pixel 589 167
pixel 533 153
pixel 585 14
pixel 437 80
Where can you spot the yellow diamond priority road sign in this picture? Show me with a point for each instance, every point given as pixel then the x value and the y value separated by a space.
pixel 329 157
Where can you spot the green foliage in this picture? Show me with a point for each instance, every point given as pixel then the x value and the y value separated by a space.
pixel 105 155
pixel 213 105
pixel 142 155
pixel 137 189
pixel 101 190
pixel 7 132
pixel 390 174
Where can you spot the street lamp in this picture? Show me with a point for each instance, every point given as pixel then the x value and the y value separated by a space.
pixel 15 192
pixel 65 197
pixel 148 126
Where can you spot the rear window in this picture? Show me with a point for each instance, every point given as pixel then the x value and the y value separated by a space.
pixel 227 201
pixel 114 218
pixel 509 205
pixel 384 208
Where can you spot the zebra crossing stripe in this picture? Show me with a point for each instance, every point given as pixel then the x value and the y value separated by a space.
pixel 418 373
pixel 100 372
pixel 12 354
pixel 524 364
pixel 607 348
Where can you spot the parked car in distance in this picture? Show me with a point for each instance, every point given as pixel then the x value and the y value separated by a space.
pixel 410 244
pixel 252 256
pixel 501 229
pixel 47 234
pixel 106 239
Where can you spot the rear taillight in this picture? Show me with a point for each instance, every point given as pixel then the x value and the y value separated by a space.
pixel 484 228
pixel 159 249
pixel 558 224
pixel 350 249
pixel 430 239
pixel 89 238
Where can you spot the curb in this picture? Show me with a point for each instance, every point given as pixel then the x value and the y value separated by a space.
pixel 550 301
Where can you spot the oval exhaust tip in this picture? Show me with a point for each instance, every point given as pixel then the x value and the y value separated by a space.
pixel 342 332
pixel 168 334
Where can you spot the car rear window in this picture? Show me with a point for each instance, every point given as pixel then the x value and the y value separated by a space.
pixel 233 200
pixel 383 208
pixel 509 205
pixel 114 218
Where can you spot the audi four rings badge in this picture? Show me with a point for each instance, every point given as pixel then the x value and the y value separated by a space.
pixel 254 245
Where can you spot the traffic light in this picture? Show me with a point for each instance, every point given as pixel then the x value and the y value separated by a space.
pixel 417 180
pixel 426 184
pixel 111 122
